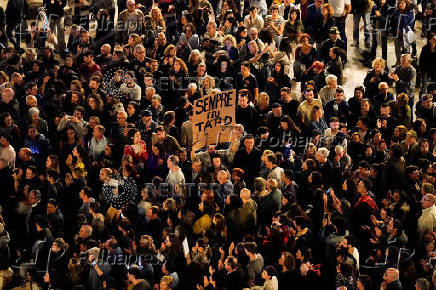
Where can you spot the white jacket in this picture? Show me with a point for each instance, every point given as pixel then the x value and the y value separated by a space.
pixel 426 222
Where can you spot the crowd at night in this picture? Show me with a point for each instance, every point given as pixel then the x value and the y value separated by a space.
pixel 176 145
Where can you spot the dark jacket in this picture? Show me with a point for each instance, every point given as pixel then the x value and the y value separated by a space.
pixel 407 80
pixel 427 61
pixel 269 204
pixel 250 163
pixel 371 89
pixel 55 10
pixel 246 117
pixel 341 110
pixel 40 148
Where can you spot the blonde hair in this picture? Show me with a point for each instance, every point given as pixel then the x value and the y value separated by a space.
pixel 155 8
pixel 380 61
pixel 167 50
pixel 182 64
pixel 4 77
pixel 329 9
pixel 211 81
pixel 427 188
pixel 167 280
pixel 231 38
pixel 195 51
pixel 262 97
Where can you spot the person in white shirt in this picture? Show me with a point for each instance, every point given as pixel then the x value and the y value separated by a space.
pixel 253 19
pixel 175 176
pixel 98 143
pixel 427 220
pixel 130 87
pixel 7 152
pixel 275 171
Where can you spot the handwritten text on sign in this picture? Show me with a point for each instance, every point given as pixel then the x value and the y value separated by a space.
pixel 211 113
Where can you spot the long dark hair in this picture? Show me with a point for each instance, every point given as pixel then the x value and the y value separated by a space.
pixel 291 125
pixel 131 134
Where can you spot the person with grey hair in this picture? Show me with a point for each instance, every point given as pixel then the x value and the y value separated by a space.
pixel 253 34
pixel 422 284
pixel 212 34
pixel 324 164
pixel 138 64
pixel 98 270
pixel 246 215
pixel 341 162
pixel 156 108
pixel 8 103
pixel 40 124
pixel 427 220
pixel 225 187
pixel 404 76
pixel 328 92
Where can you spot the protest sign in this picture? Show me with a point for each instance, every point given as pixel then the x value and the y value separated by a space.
pixel 213 118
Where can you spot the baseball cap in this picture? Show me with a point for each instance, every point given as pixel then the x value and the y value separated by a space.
pixel 334 30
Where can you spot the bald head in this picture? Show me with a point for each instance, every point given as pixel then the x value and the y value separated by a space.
pixel 105 49
pixel 222 176
pixel 25 154
pixel 272 184
pixel 245 194
pixel 85 231
pixel 428 200
pixel 391 275
pixel 31 101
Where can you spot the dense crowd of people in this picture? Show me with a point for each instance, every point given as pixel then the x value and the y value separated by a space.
pixel 104 185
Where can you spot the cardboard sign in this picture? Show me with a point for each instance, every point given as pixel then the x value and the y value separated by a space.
pixel 213 118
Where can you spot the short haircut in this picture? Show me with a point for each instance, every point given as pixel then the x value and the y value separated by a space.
pixel 272 159
pixel 251 247
pixel 174 160
pixel 246 64
pixel 87 190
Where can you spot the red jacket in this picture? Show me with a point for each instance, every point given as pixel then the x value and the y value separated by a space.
pixel 137 158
